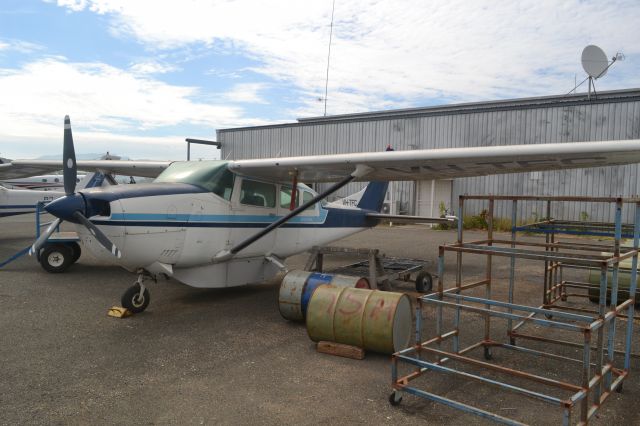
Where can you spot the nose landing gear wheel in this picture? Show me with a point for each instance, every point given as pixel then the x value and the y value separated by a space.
pixel 134 300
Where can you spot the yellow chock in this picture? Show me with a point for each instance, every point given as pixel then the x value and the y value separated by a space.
pixel 119 312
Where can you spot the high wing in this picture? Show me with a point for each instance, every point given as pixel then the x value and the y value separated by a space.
pixel 24 168
pixel 443 163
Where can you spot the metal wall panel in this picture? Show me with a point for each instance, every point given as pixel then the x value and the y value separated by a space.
pixel 614 115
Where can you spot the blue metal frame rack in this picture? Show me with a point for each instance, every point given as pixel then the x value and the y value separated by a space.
pixel 594 332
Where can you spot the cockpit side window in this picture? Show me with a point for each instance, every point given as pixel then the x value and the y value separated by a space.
pixel 285 197
pixel 307 196
pixel 223 185
pixel 259 194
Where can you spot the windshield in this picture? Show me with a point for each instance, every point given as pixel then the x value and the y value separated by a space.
pixel 213 176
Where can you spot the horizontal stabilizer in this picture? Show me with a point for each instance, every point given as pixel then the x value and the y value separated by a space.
pixel 412 219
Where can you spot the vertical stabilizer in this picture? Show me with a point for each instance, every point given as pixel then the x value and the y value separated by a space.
pixel 373 197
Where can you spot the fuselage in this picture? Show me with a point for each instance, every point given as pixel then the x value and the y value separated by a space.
pixel 178 226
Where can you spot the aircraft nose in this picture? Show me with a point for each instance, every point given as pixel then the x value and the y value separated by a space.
pixel 66 206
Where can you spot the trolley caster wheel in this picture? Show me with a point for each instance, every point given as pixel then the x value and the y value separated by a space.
pixel 619 388
pixel 424 282
pixel 75 249
pixel 548 316
pixel 512 341
pixel 487 354
pixel 395 398
pixel 134 301
pixel 56 258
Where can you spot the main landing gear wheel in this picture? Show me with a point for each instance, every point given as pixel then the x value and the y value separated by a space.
pixel 135 300
pixel 424 282
pixel 56 258
pixel 395 398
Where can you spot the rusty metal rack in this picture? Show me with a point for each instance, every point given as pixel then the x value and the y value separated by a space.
pixel 597 371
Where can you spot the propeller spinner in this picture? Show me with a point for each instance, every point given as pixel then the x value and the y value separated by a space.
pixel 71 207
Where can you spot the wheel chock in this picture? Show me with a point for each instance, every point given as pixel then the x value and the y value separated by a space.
pixel 119 312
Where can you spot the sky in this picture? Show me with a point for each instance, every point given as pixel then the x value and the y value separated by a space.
pixel 137 77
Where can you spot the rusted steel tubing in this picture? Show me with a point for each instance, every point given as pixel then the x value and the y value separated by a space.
pixel 527 392
pixel 590 311
pixel 586 370
pixel 464 287
pixel 562 342
pixel 520 254
pixel 464 351
pixel 506 315
pixel 539 353
pixel 549 245
pixel 597 377
pixel 521 323
pixel 509 371
pixel 550 198
pixel 575 317
pixel 438 338
pixel 462 407
pixel 571 246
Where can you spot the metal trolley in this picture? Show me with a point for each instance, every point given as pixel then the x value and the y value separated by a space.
pixel 60 251
pixel 598 369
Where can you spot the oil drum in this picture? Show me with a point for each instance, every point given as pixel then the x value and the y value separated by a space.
pixel 298 286
pixel 378 321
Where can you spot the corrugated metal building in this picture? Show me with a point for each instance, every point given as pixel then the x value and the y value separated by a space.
pixel 608 116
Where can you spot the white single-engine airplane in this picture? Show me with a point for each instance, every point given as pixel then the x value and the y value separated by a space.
pixel 230 223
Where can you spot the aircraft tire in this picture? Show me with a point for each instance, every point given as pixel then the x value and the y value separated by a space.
pixel 131 299
pixel 424 282
pixel 56 258
pixel 77 251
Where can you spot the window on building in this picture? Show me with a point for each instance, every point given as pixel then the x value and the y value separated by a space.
pixel 259 194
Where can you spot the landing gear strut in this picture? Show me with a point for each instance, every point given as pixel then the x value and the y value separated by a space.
pixel 137 297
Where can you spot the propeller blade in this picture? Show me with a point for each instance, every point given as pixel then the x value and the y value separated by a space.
pixel 44 236
pixel 70 171
pixel 102 239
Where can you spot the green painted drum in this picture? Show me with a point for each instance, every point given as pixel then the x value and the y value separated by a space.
pixel 378 321
pixel 387 322
pixel 320 312
pixel 624 283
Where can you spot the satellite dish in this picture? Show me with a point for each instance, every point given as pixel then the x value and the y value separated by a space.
pixel 594 61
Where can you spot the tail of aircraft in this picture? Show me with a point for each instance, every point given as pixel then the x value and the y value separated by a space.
pixel 373 196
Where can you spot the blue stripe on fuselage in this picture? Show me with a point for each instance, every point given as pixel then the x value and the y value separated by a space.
pixel 328 218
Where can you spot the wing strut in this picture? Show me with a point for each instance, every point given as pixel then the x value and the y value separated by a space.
pixel 225 255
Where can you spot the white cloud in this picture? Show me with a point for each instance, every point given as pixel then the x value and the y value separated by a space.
pixel 19 46
pixel 403 50
pixel 152 67
pixel 104 102
pixel 74 5
pixel 246 93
